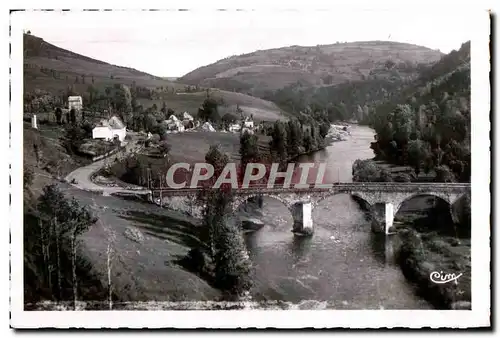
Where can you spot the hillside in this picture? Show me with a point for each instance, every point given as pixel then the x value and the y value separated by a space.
pixel 51 68
pixel 427 125
pixel 59 72
pixel 265 71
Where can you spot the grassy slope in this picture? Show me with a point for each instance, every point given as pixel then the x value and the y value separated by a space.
pixel 40 55
pixel 141 271
pixel 276 68
pixel 190 102
pixel 146 270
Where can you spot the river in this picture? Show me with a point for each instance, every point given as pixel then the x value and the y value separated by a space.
pixel 343 265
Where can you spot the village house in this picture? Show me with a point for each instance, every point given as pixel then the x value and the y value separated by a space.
pixel 110 129
pixel 174 124
pixel 75 102
pixel 248 123
pixel 187 117
pixel 188 121
pixel 246 130
pixel 234 127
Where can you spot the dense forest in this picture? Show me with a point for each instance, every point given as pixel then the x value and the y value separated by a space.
pixel 428 125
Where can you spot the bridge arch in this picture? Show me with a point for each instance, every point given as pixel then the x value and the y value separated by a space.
pixel 241 200
pixel 439 217
pixel 318 200
pixel 450 199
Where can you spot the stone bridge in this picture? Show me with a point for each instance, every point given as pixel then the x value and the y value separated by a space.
pixel 383 199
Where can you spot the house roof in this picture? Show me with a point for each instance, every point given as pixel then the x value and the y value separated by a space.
pixel 116 123
pixel 113 123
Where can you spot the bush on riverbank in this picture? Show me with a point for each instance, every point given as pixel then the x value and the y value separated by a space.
pixel 232 264
pixel 422 254
pixel 369 171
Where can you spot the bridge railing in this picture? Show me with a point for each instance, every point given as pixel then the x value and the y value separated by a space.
pixel 353 185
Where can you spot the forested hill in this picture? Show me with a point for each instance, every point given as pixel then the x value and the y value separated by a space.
pixel 428 125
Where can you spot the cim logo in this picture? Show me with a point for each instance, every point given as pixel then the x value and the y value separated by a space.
pixel 440 278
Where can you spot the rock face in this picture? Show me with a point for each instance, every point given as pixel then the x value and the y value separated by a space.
pixel 338 132
pixel 251 224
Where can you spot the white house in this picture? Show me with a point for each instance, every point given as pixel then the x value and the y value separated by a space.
pixel 234 127
pixel 178 125
pixel 173 123
pixel 207 127
pixel 248 123
pixel 75 102
pixel 110 129
pixel 246 130
pixel 187 117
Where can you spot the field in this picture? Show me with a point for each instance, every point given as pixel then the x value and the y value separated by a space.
pixel 191 147
pixel 261 110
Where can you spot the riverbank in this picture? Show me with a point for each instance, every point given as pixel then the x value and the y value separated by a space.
pixel 427 257
pixel 432 240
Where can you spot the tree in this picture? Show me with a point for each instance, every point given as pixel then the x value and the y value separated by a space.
pixel 164 108
pixel 80 220
pixel 72 116
pixel 444 174
pixel 249 149
pixel 418 154
pixel 249 153
pixel 73 138
pixel 232 264
pixel 209 110
pixel 164 148
pixel 66 220
pixel 278 143
pixel 28 175
pixel 214 201
pixel 58 114
pixel 122 101
pixel 222 236
pixel 294 138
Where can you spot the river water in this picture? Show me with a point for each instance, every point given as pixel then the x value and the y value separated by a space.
pixel 343 265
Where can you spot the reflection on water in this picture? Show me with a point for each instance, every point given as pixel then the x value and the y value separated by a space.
pixel 344 265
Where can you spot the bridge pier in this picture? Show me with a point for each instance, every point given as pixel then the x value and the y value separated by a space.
pixel 302 218
pixel 382 217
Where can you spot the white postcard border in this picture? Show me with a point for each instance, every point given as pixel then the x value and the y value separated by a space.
pixel 479 315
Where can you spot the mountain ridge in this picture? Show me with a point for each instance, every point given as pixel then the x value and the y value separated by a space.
pixel 313 66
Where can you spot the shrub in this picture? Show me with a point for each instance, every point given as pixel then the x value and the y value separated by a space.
pixel 232 264
pixel 404 178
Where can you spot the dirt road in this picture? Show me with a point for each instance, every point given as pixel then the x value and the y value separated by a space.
pixel 81 177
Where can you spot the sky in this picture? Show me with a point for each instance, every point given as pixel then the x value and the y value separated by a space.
pixel 173 43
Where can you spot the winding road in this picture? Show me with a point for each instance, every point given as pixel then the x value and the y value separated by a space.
pixel 81 178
